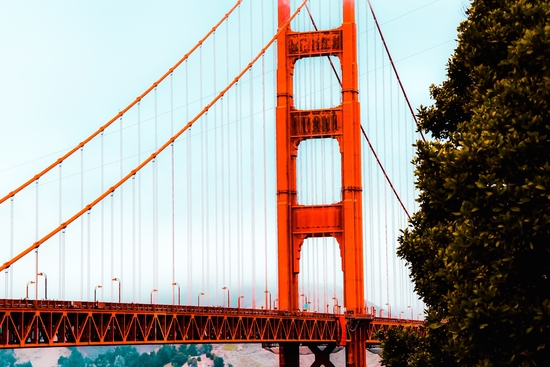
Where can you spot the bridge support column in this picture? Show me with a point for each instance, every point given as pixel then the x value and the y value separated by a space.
pixel 356 348
pixel 322 357
pixel 289 354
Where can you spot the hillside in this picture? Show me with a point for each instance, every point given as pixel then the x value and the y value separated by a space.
pixel 239 355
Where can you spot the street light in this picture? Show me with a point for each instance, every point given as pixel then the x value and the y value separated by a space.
pixel 401 315
pixel 276 303
pixel 336 308
pixel 118 281
pixel 411 311
pixel 306 303
pixel 389 310
pixel 45 284
pixel 199 298
pixel 267 305
pixel 419 316
pixel 179 292
pixel 228 297
pixel 153 291
pixel 239 301
pixel 27 288
pixel 95 292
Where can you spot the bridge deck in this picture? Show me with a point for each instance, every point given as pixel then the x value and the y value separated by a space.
pixel 29 323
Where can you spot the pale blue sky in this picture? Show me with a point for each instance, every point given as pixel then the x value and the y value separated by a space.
pixel 68 67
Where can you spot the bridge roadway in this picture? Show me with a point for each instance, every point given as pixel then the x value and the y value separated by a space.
pixel 49 323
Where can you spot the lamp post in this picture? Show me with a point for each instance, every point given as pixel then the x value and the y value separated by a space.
pixel 419 316
pixel 228 296
pixel 336 308
pixel 276 303
pixel 266 300
pixel 199 298
pixel 306 303
pixel 179 291
pixel 45 284
pixel 401 315
pixel 153 291
pixel 95 291
pixel 389 310
pixel 118 281
pixel 239 301
pixel 411 311
pixel 27 288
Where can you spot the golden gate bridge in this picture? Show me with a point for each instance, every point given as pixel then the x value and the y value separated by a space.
pixel 252 183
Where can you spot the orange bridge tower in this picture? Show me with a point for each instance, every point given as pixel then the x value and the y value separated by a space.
pixel 341 220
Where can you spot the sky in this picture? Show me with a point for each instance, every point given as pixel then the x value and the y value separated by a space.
pixel 68 67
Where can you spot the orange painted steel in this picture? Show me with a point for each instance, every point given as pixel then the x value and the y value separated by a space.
pixel 26 323
pixel 88 207
pixel 122 112
pixel 51 323
pixel 342 220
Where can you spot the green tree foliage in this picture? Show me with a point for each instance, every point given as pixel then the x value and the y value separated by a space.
pixel 7 358
pixel 192 361
pixel 479 246
pixel 192 350
pixel 218 362
pixel 76 359
pixel 206 348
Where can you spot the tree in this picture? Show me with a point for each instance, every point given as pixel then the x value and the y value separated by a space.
pixel 192 361
pixel 74 360
pixel 479 246
pixel 192 350
pixel 6 358
pixel 401 346
pixel 218 362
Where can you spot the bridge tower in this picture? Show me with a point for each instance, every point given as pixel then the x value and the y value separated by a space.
pixel 342 220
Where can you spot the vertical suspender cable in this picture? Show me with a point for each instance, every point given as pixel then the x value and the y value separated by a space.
pixel 82 224
pixel 225 238
pixel 102 219
pixel 88 251
pixel 155 205
pixel 121 210
pixel 203 179
pixel 133 238
pixel 135 227
pixel 264 166
pixel 229 217
pixel 239 165
pixel 385 189
pixel 206 190
pixel 112 239
pixel 36 252
pixel 252 176
pixel 8 274
pixel 173 188
pixel 139 259
pixel 189 192
pixel 216 186
pixel 61 237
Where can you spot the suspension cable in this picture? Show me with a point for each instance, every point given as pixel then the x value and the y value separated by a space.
pixel 123 111
pixel 39 242
pixel 395 71
pixel 362 128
